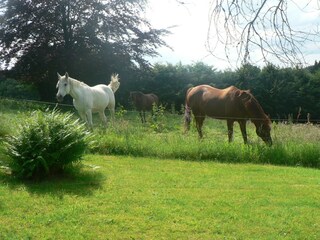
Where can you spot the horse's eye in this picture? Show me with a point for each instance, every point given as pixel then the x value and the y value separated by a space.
pixel 65 84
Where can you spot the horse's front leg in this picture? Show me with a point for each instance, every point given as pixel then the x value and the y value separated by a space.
pixel 83 117
pixel 89 119
pixel 230 130
pixel 243 128
pixel 140 114
pixel 144 116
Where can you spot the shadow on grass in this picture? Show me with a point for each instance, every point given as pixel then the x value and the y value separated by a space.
pixel 80 180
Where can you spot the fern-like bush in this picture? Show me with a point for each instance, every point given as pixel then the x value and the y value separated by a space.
pixel 45 144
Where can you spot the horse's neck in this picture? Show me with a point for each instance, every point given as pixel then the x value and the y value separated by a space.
pixel 258 122
pixel 256 114
pixel 75 88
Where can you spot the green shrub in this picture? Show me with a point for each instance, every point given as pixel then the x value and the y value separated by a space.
pixel 11 88
pixel 157 121
pixel 45 144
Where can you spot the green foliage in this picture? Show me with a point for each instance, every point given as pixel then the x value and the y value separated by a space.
pixel 157 121
pixel 11 88
pixel 45 144
pixel 121 111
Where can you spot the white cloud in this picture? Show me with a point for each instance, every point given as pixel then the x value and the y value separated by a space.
pixel 189 25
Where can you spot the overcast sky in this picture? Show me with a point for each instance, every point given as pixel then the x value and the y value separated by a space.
pixel 190 27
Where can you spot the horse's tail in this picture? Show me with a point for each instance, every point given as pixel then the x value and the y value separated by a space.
pixel 114 83
pixel 187 114
pixel 187 118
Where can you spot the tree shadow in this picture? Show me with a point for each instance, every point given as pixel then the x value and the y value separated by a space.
pixel 81 180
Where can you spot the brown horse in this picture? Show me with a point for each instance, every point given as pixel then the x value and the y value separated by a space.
pixel 143 102
pixel 231 104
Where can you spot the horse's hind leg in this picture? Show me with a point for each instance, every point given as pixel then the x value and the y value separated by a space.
pixel 103 118
pixel 141 116
pixel 111 108
pixel 199 122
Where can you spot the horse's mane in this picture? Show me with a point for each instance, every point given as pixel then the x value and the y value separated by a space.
pixel 76 82
pixel 252 106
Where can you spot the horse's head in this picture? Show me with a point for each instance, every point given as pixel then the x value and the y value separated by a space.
pixel 263 131
pixel 135 96
pixel 63 86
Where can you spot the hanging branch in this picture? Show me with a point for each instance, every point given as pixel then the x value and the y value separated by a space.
pixel 251 28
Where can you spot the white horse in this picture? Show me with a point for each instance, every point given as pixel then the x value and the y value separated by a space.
pixel 88 100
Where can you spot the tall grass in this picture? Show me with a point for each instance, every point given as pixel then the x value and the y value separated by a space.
pixel 294 145
pixel 164 137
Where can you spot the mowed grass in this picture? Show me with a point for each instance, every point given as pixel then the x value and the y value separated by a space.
pixel 119 197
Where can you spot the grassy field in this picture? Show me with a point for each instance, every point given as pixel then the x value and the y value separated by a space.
pixel 153 181
pixel 115 197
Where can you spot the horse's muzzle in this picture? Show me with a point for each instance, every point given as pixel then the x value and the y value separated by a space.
pixel 59 98
pixel 268 141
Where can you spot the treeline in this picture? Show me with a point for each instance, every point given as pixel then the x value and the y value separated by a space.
pixel 283 92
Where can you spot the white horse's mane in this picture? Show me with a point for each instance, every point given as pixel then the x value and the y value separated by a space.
pixel 77 82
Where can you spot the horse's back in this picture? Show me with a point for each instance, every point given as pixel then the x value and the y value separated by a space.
pixel 214 102
pixel 144 102
pixel 203 94
pixel 148 100
pixel 102 97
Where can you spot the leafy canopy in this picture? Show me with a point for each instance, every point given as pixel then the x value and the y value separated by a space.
pixel 37 34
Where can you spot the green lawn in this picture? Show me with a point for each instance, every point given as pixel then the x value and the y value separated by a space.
pixel 118 197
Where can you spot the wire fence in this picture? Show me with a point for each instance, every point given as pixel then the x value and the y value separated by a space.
pixel 289 119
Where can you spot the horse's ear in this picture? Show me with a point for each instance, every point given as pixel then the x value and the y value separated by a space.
pixel 244 95
pixel 59 76
pixel 67 75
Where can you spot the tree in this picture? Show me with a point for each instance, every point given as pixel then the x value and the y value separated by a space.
pixel 264 30
pixel 90 38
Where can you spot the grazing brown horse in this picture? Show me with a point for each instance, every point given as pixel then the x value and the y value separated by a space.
pixel 143 102
pixel 231 104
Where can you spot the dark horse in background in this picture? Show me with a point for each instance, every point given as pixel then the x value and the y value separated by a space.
pixel 143 102
pixel 231 104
